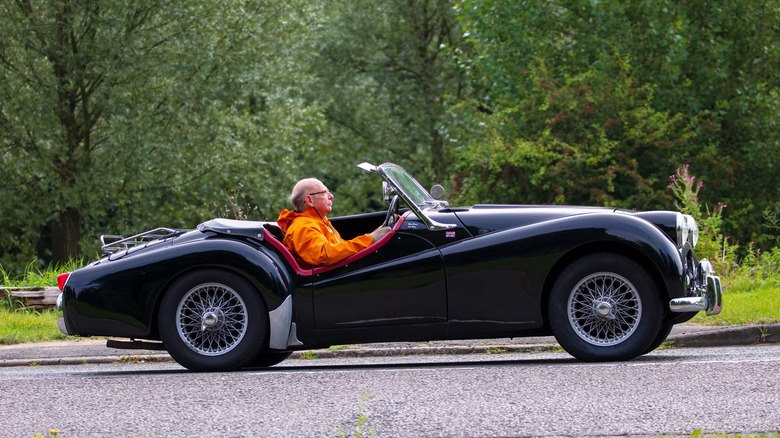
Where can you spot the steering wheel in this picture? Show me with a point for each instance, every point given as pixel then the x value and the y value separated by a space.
pixel 393 210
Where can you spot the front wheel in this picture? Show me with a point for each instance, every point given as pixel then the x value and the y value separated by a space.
pixel 213 320
pixel 605 307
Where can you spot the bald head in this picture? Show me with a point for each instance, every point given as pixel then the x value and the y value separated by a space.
pixel 303 188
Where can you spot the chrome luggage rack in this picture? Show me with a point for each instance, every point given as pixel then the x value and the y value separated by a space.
pixel 121 243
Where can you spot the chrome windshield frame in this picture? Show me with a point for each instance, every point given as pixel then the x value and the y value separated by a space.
pixel 407 188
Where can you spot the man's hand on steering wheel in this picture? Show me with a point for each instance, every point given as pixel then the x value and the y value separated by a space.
pixel 392 213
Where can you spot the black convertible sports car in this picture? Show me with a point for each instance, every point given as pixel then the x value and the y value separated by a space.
pixel 608 284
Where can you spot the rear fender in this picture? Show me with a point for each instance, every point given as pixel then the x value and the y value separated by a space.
pixel 121 297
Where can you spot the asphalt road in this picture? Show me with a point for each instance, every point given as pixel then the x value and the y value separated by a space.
pixel 665 393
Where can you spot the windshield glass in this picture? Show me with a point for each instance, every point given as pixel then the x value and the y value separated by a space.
pixel 408 187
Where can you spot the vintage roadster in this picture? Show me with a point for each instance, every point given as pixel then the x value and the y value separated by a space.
pixel 608 284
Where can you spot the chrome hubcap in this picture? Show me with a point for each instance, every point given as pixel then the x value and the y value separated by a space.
pixel 604 309
pixel 211 320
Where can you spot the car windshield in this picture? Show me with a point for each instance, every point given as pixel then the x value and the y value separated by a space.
pixel 408 187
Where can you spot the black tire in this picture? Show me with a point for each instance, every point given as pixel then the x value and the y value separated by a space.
pixel 666 328
pixel 269 359
pixel 213 320
pixel 605 307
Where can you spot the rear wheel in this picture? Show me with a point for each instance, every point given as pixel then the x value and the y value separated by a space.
pixel 605 307
pixel 269 359
pixel 213 320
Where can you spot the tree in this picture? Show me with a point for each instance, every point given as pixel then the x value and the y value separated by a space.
pixel 700 89
pixel 125 114
pixel 385 77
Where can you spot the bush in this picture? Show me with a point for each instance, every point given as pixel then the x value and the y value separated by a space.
pixel 712 244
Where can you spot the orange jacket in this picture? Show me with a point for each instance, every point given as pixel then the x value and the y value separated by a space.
pixel 314 241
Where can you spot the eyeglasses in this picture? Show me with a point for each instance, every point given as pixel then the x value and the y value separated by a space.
pixel 324 192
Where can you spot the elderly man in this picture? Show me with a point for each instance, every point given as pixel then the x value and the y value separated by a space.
pixel 309 234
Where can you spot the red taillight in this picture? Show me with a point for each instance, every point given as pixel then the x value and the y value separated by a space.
pixel 62 279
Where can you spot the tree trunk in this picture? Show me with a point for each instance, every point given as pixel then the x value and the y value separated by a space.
pixel 438 161
pixel 66 236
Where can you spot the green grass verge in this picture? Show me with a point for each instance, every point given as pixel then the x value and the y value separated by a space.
pixel 747 300
pixel 20 326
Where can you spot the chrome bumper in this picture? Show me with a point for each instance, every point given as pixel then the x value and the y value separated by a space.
pixel 706 290
pixel 61 316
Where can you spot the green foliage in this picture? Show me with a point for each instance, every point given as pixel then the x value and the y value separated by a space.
pixel 747 300
pixel 146 117
pixel 585 139
pixel 712 244
pixel 762 265
pixel 119 116
pixel 385 74
pixel 32 276
pixel 772 225
pixel 689 82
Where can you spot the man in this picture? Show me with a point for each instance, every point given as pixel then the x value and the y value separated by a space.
pixel 309 234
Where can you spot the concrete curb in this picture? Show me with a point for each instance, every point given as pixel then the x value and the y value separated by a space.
pixel 683 336
pixel 729 336
pixel 86 360
pixel 302 355
pixel 427 351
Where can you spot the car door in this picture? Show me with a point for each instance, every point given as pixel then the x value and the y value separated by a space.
pixel 396 292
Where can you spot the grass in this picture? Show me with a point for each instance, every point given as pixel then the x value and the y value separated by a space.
pixel 747 300
pixel 361 431
pixel 33 276
pixel 309 355
pixel 18 326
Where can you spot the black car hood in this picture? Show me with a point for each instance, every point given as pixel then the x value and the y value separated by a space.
pixel 481 219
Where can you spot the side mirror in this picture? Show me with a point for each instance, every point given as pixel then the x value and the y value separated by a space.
pixel 437 191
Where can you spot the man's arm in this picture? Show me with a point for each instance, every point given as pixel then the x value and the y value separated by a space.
pixel 315 248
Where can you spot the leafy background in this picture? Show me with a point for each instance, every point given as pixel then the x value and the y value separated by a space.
pixel 118 116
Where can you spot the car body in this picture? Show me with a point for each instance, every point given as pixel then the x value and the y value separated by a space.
pixel 609 284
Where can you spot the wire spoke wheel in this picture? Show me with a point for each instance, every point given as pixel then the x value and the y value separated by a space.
pixel 605 306
pixel 604 309
pixel 212 319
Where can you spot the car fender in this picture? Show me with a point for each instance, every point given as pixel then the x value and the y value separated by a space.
pixel 527 259
pixel 138 280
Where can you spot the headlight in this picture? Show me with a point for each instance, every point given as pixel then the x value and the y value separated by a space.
pixel 687 230
pixel 694 231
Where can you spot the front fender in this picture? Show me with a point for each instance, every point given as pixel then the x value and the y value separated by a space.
pixel 522 262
